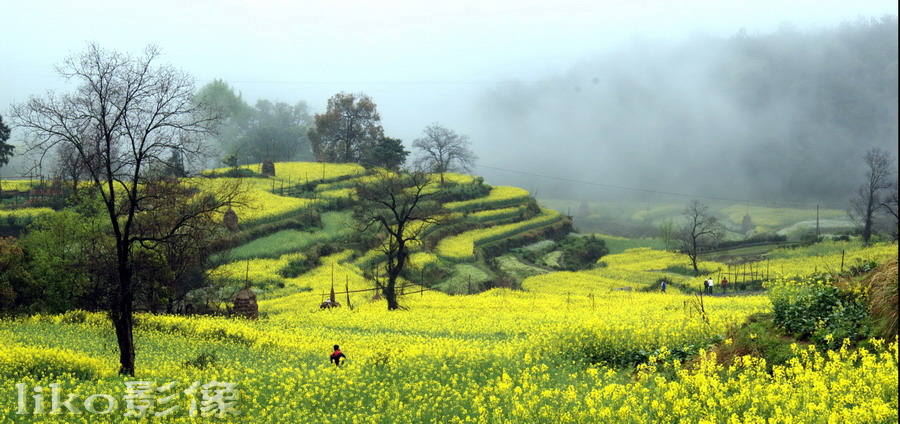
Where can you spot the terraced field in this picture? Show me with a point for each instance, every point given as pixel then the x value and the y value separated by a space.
pixel 569 347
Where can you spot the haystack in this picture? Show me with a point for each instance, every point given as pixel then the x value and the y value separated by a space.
pixel 268 168
pixel 747 224
pixel 331 302
pixel 230 220
pixel 245 304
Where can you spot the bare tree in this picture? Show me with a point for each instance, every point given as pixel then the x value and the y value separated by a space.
pixel 397 207
pixel 889 204
pixel 443 150
pixel 699 232
pixel 126 114
pixel 667 232
pixel 869 194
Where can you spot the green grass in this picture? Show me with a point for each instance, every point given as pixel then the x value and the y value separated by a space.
pixel 552 259
pixel 818 249
pixel 463 275
pixel 336 225
pixel 758 336
pixel 516 269
pixel 539 246
pixel 621 244
pixel 778 217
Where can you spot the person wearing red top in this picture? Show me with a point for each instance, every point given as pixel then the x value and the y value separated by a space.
pixel 724 284
pixel 337 355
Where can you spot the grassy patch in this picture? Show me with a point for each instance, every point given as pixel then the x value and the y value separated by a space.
pixel 516 269
pixel 465 279
pixel 687 271
pixel 621 244
pixel 336 225
pixel 552 259
pixel 759 337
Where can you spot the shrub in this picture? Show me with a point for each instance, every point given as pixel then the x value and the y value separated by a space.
pixel 234 173
pixel 759 337
pixel 819 311
pixel 862 267
pixel 582 252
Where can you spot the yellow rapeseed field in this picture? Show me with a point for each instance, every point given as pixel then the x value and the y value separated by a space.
pixel 569 347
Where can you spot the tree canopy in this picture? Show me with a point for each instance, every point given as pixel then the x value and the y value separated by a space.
pixel 278 131
pixel 397 207
pixel 252 134
pixel 387 153
pixel 348 130
pixel 6 150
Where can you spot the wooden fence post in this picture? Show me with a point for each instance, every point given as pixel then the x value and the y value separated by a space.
pixel 842 261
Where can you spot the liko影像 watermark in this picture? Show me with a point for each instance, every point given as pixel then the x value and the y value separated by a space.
pixel 141 399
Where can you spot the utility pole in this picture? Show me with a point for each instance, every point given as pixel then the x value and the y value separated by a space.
pixel 817 222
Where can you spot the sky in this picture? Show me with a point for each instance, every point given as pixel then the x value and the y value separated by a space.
pixel 420 61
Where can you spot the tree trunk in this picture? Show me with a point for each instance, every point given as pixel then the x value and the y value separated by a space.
pixel 867 229
pixel 390 293
pixel 122 316
pixel 694 253
pixel 124 322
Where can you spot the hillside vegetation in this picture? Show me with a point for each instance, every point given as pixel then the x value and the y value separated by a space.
pixel 493 329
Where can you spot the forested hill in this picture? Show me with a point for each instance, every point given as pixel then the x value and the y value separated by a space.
pixel 786 114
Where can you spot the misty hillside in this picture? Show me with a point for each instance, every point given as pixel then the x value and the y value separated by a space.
pixel 780 116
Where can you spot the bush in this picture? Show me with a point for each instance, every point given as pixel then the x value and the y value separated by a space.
pixel 809 239
pixel 582 252
pixel 462 192
pixel 234 173
pixel 861 267
pixel 759 337
pixel 820 312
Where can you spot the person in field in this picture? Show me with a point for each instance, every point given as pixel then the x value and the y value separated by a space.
pixel 706 286
pixel 337 355
pixel 712 283
pixel 662 286
pixel 724 284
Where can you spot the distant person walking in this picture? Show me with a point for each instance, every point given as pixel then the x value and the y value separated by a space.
pixel 337 355
pixel 712 283
pixel 724 284
pixel 662 286
pixel 706 286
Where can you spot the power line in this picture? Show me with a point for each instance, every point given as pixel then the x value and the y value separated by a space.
pixel 310 82
pixel 644 190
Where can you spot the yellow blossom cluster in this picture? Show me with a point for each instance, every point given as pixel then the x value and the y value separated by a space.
pixel 20 185
pixel 24 213
pixel 499 196
pixel 302 172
